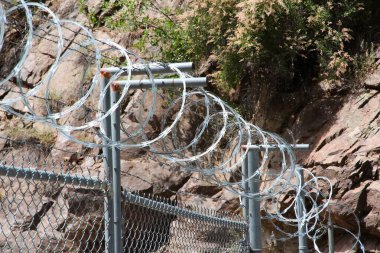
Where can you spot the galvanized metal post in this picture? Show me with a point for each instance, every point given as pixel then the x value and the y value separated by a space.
pixel 244 177
pixel 302 237
pixel 107 163
pixel 254 202
pixel 330 233
pixel 116 179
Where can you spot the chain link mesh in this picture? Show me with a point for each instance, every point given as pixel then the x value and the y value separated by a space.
pixel 52 210
pixel 156 224
pixel 56 210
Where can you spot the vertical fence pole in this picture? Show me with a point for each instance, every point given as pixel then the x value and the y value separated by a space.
pixel 254 202
pixel 244 177
pixel 116 180
pixel 302 238
pixel 107 163
pixel 330 233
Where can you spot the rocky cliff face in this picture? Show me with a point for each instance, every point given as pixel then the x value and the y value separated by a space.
pixel 344 133
pixel 343 130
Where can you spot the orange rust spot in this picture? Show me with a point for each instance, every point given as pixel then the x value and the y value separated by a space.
pixel 244 147
pixel 115 87
pixel 105 74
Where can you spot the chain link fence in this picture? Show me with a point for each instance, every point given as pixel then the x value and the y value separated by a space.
pixel 50 210
pixel 167 226
pixel 58 210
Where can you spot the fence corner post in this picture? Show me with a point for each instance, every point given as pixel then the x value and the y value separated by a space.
pixel 116 166
pixel 107 163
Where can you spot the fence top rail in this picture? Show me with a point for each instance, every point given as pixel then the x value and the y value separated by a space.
pixel 43 175
pixel 178 211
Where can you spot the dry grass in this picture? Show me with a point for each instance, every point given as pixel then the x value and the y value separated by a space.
pixel 45 137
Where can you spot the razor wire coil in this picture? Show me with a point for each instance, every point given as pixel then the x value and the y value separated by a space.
pixel 218 133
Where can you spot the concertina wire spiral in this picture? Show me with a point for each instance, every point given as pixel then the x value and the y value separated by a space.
pixel 195 129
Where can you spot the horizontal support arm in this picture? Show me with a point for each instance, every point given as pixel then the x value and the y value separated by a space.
pixel 155 68
pixel 193 82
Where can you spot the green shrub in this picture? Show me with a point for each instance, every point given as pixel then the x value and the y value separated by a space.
pixel 292 41
pixel 277 36
pixel 155 26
